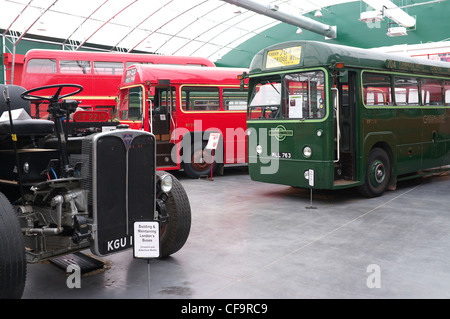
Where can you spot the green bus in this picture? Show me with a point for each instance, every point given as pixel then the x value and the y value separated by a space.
pixel 326 116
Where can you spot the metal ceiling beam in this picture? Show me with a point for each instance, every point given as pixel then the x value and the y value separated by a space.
pixel 166 23
pixel 181 30
pixel 203 32
pixel 137 26
pixel 18 16
pixel 17 36
pixel 115 15
pixel 286 16
pixel 81 24
pixel 390 10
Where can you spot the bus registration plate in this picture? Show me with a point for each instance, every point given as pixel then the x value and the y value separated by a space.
pixel 91 116
pixel 282 154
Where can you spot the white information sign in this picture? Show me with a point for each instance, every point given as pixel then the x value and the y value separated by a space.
pixel 311 177
pixel 146 239
pixel 295 106
pixel 213 141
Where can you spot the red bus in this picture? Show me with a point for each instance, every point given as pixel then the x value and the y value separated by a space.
pixel 98 72
pixel 183 107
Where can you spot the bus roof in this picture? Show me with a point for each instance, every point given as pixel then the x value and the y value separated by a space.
pixel 302 54
pixel 116 56
pixel 181 75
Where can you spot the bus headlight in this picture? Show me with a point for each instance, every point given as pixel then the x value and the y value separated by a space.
pixel 259 149
pixel 166 183
pixel 307 151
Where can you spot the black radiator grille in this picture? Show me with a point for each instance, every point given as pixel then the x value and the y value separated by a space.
pixel 123 174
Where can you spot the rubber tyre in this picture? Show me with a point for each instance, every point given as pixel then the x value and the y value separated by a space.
pixel 378 173
pixel 175 234
pixel 194 169
pixel 13 263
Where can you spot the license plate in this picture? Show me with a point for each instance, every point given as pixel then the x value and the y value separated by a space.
pixel 282 154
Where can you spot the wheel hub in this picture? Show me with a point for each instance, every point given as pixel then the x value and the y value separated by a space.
pixel 378 172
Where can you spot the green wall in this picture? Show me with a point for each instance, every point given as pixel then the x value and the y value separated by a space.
pixel 432 25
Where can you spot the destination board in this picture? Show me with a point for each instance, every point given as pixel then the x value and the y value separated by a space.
pixel 283 57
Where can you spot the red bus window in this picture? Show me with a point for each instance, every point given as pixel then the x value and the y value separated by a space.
pixel 108 68
pixel 41 66
pixel 164 100
pixel 123 108
pixel 130 107
pixel 200 99
pixel 130 75
pixel 75 67
pixel 234 99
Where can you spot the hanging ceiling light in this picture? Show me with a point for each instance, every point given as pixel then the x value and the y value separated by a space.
pixel 318 14
pixel 396 31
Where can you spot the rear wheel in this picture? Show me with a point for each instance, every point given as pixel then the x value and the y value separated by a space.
pixel 378 173
pixel 200 162
pixel 13 264
pixel 175 234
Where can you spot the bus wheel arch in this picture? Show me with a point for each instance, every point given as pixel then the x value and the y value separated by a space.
pixel 196 160
pixel 379 173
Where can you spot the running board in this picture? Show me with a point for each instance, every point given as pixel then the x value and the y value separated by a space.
pixel 86 263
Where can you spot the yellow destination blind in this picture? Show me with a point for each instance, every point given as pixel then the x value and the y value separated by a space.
pixel 283 57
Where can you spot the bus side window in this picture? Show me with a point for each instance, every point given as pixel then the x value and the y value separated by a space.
pixel 123 108
pixel 108 68
pixel 447 93
pixel 376 89
pixel 200 98
pixel 130 107
pixel 431 92
pixel 234 99
pixel 75 67
pixel 135 103
pixel 406 91
pixel 41 66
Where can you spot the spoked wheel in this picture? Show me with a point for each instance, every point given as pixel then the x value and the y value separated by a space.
pixel 175 234
pixel 13 264
pixel 378 173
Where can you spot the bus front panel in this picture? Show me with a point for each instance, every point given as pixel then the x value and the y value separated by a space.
pixel 285 153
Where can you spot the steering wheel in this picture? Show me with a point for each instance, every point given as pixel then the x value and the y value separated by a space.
pixel 54 98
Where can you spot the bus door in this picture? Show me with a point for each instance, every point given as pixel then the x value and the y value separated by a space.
pixel 345 106
pixel 162 114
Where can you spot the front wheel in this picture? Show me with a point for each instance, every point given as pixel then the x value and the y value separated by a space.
pixel 378 173
pixel 13 263
pixel 175 233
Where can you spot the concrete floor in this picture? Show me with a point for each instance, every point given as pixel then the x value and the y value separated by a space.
pixel 256 240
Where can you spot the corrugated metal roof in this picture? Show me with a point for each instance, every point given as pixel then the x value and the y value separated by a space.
pixel 206 28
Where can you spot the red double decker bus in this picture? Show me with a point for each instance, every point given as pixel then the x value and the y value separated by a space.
pixel 98 72
pixel 183 107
